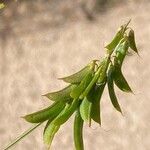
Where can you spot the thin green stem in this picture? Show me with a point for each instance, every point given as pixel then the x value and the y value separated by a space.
pixel 21 136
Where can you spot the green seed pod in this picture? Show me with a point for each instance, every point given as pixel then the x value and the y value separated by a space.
pixel 111 89
pixel 48 113
pixel 97 76
pixel 66 113
pixel 77 77
pixel 49 133
pixel 77 91
pixel 78 131
pixel 47 124
pixel 121 52
pixel 120 80
pixel 119 35
pixel 95 97
pixel 85 110
pixel 51 128
pixel 62 95
pixel 103 71
pixel 132 43
pixel 111 46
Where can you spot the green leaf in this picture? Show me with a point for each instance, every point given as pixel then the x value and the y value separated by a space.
pixel 132 43
pixel 111 89
pixel 48 113
pixel 77 91
pixel 61 95
pixel 85 110
pixel 120 80
pixel 78 131
pixel 78 76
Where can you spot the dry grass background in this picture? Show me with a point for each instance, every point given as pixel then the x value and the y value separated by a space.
pixel 40 42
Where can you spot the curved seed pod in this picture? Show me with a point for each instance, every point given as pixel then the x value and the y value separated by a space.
pixel 121 52
pixel 78 131
pixel 132 43
pixel 85 110
pixel 47 124
pixel 77 91
pixel 120 80
pixel 66 113
pixel 111 89
pixel 48 113
pixel 103 71
pixel 95 97
pixel 77 77
pixel 119 45
pixel 51 128
pixel 49 133
pixel 97 76
pixel 111 46
pixel 61 95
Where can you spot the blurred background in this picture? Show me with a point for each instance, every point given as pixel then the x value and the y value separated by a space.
pixel 45 39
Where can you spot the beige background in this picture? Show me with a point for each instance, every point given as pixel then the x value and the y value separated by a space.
pixel 36 48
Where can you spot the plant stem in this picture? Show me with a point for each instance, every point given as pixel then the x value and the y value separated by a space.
pixel 21 136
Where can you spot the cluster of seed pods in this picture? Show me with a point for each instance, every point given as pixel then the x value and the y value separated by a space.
pixel 85 88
